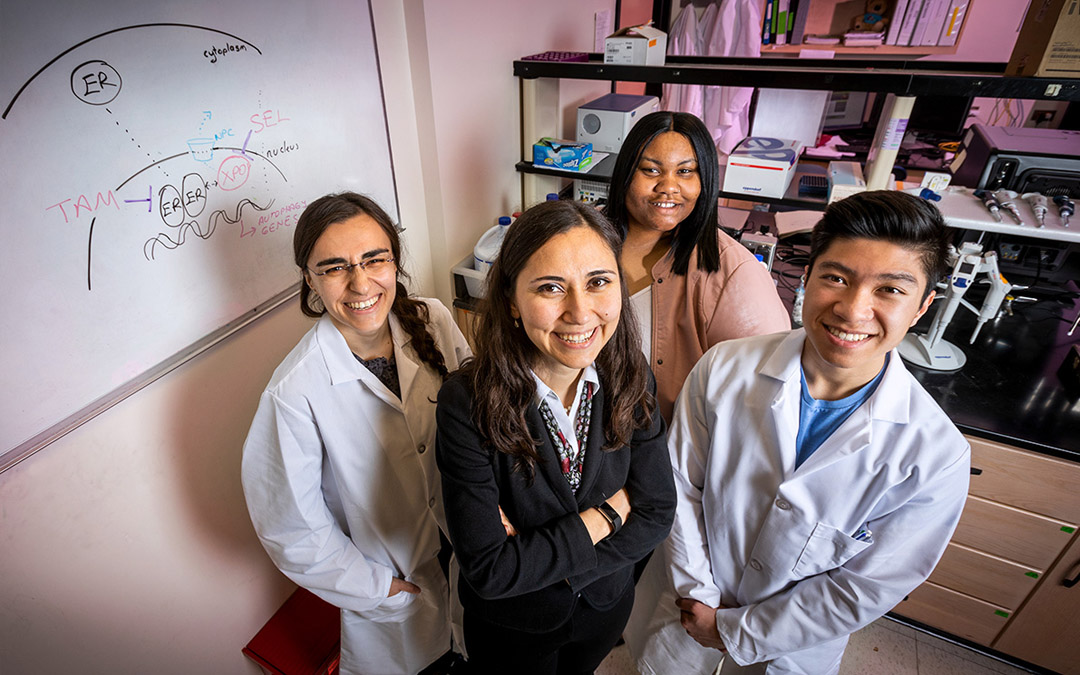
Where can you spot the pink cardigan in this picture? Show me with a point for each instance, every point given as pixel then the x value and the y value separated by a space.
pixel 694 311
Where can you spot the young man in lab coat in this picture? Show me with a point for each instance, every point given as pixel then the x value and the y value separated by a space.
pixel 818 482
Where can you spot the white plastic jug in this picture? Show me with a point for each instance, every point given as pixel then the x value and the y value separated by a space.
pixel 487 248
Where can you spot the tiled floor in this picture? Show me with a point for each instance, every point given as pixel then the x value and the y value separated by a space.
pixel 882 648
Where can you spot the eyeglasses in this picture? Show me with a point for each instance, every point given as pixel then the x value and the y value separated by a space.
pixel 371 266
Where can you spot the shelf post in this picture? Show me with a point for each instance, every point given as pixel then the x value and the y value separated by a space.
pixel 539 118
pixel 887 138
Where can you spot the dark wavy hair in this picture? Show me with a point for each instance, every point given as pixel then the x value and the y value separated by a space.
pixel 887 215
pixel 335 208
pixel 699 228
pixel 503 387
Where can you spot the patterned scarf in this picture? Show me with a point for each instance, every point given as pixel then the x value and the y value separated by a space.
pixel 571 462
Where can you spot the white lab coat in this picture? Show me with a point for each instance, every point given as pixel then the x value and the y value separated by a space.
pixel 775 543
pixel 684 40
pixel 343 490
pixel 733 32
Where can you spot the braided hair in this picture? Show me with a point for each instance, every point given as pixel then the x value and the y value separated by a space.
pixel 411 313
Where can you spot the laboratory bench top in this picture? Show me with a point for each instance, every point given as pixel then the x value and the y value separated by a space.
pixel 1009 390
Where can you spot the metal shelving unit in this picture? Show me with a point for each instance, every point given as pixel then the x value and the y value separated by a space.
pixel 539 93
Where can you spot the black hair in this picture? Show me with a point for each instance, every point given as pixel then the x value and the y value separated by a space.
pixel 885 215
pixel 502 384
pixel 699 228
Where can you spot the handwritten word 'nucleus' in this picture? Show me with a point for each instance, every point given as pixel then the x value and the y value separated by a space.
pixel 82 203
pixel 214 52
pixel 285 147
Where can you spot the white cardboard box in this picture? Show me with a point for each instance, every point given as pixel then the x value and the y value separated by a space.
pixel 636 46
pixel 845 179
pixel 762 167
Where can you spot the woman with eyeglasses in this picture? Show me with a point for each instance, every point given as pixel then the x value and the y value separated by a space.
pixel 339 465
pixel 552 452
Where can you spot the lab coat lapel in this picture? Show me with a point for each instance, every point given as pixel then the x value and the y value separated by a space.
pixel 783 366
pixel 548 466
pixel 890 402
pixel 407 365
pixel 594 456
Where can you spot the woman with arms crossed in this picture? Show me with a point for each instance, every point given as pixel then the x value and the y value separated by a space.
pixel 338 472
pixel 692 285
pixel 552 453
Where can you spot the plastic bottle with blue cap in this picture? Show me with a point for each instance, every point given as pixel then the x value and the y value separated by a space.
pixel 487 248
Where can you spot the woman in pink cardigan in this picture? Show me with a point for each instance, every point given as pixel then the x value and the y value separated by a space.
pixel 691 284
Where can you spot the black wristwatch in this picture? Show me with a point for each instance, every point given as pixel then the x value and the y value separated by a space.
pixel 611 515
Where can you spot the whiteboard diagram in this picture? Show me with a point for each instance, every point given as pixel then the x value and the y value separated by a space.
pixel 153 163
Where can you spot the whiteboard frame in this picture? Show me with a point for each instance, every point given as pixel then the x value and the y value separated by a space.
pixel 26 449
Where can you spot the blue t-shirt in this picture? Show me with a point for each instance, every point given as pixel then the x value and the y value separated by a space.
pixel 819 419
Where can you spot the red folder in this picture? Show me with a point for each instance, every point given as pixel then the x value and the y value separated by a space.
pixel 302 638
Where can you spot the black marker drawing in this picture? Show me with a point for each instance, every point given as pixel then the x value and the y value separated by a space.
pixel 110 32
pixel 194 227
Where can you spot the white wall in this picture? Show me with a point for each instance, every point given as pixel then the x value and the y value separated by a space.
pixel 125 547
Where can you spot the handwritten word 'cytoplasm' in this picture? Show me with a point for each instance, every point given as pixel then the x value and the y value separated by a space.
pixel 214 52
pixel 267 118
pixel 82 203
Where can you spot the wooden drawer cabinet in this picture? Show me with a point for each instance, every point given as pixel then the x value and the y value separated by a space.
pixel 1023 479
pixel 999 582
pixel 1008 532
pixel 986 577
pixel 1047 630
pixel 960 614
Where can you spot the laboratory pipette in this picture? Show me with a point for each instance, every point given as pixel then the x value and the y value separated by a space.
pixel 990 203
pixel 1065 208
pixel 999 288
pixel 1037 202
pixel 1005 199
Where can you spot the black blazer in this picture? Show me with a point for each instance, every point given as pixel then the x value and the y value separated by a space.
pixel 532 581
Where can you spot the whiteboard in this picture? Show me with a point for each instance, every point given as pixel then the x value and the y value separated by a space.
pixel 154 158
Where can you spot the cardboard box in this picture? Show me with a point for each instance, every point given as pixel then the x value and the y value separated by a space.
pixel 762 167
pixel 558 154
pixel 1049 41
pixel 636 46
pixel 845 179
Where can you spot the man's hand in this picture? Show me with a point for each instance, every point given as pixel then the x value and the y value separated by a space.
pixel 699 621
pixel 401 586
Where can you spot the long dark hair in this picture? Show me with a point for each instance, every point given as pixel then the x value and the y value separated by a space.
pixel 699 228
pixel 335 208
pixel 502 385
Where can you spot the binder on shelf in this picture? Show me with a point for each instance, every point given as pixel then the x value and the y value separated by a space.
pixel 932 23
pixel 766 24
pixel 896 21
pixel 798 30
pixel 780 21
pixel 911 17
pixel 954 19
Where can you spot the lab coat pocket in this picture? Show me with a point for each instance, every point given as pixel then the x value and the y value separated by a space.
pixel 826 549
pixel 392 609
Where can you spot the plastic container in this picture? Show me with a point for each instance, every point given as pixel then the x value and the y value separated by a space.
pixel 487 248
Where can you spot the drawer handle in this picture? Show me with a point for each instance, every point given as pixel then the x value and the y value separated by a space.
pixel 976 471
pixel 1069 583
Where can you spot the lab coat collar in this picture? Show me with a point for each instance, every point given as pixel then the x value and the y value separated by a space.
pixel 343 366
pixel 889 403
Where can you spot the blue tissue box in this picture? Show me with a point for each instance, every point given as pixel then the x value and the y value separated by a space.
pixel 556 154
